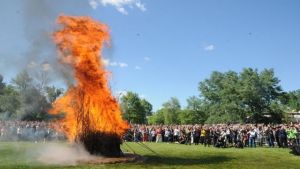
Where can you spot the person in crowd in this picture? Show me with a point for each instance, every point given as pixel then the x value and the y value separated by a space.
pixel 252 137
pixel 153 135
pixel 270 136
pixel 291 135
pixel 158 135
pixel 207 137
pixel 197 134
pixel 202 135
pixel 176 135
pixel 277 136
pixel 188 136
pixel 298 134
pixel 283 137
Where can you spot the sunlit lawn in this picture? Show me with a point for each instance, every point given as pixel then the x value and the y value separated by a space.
pixel 19 155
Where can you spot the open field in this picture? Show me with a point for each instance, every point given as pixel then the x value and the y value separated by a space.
pixel 23 155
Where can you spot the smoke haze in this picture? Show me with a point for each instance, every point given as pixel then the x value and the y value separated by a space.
pixel 30 24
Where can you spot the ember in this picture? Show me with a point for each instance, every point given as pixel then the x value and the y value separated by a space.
pixel 92 114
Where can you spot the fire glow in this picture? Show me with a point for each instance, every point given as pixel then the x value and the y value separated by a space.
pixel 92 114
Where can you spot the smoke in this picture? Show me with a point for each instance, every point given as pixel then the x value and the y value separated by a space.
pixel 61 154
pixel 39 21
pixel 39 18
pixel 30 34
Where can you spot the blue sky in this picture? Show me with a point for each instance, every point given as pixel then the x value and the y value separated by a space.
pixel 164 48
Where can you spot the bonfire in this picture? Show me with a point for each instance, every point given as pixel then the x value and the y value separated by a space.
pixel 92 115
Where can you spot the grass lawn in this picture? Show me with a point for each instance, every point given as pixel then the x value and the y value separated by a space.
pixel 21 156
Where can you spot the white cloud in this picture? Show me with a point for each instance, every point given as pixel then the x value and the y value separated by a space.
pixel 121 64
pixel 137 68
pixel 105 62
pixel 122 10
pixel 209 47
pixel 93 3
pixel 147 59
pixel 113 64
pixel 141 6
pixel 119 4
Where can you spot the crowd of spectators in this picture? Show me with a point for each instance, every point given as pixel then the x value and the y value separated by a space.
pixel 29 131
pixel 220 135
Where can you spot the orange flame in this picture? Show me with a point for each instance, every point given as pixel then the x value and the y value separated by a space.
pixel 89 104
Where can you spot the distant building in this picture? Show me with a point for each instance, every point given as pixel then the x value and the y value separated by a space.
pixel 295 116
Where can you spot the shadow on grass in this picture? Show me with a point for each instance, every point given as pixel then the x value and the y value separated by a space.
pixel 186 160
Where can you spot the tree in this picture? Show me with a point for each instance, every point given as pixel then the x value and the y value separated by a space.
pixel 194 112
pixel 231 96
pixel 23 81
pixel 2 84
pixel 53 93
pixel 157 118
pixel 294 100
pixel 147 107
pixel 221 96
pixel 171 110
pixel 9 102
pixel 259 91
pixel 33 104
pixel 134 109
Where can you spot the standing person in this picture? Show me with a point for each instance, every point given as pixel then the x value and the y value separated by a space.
pixel 216 135
pixel 202 135
pixel 167 135
pixel 252 136
pixel 19 133
pixel 153 135
pixel 283 137
pixel 259 134
pixel 245 137
pixel 136 135
pixel 298 135
pixel 292 135
pixel 270 137
pixel 197 135
pixel 228 136
pixel 176 135
pixel 158 135
pixel 207 138
pixel 277 136
pixel 239 139
pixel 188 133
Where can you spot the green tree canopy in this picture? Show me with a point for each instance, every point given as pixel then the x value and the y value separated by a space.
pixel 194 112
pixel 135 109
pixel 234 96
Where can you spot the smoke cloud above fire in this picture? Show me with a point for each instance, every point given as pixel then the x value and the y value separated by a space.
pixel 39 23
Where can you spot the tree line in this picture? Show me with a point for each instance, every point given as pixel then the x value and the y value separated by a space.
pixel 249 96
pixel 26 98
pixel 240 97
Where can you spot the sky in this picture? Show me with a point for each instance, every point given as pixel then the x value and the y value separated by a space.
pixel 163 48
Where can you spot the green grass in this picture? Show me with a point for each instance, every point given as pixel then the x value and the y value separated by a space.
pixel 21 156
